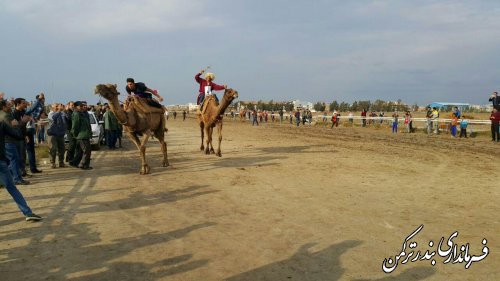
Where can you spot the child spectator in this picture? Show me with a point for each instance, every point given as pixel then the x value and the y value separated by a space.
pixel 454 123
pixel 395 121
pixel 463 127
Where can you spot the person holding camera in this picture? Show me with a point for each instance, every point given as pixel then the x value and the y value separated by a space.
pixel 495 99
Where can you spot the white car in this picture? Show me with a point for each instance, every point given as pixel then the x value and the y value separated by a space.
pixel 97 132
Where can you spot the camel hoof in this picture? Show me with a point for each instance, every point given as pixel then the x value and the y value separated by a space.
pixel 202 148
pixel 166 164
pixel 207 152
pixel 212 151
pixel 219 154
pixel 145 170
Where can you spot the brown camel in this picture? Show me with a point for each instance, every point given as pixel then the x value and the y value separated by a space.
pixel 243 114
pixel 139 121
pixel 211 115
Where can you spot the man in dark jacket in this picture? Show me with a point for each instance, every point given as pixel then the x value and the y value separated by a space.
pixel 495 120
pixel 5 175
pixel 10 147
pixel 70 154
pixel 495 99
pixel 82 132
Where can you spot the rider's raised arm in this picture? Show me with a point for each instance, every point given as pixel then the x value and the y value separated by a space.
pixel 198 78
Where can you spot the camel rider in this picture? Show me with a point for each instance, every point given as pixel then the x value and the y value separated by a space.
pixel 207 86
pixel 140 90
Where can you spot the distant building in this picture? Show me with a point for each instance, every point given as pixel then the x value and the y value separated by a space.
pixel 299 105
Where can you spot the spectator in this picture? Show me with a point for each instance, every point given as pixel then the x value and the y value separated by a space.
pixel 11 151
pixel 20 106
pixel 56 132
pixel 381 116
pixel 463 127
pixel 30 145
pixel 37 108
pixel 408 122
pixel 395 121
pixel 434 118
pixel 41 128
pixel 457 112
pixel 335 120
pixel 351 118
pixel 297 117
pixel 175 115
pixel 428 116
pixel 111 125
pixel 166 113
pixel 5 175
pixel 82 132
pixel 68 113
pixel 184 115
pixel 363 117
pixel 495 99
pixel 454 123
pixel 254 118
pixel 495 119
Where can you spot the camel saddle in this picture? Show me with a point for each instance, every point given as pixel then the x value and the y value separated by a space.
pixel 141 104
pixel 204 104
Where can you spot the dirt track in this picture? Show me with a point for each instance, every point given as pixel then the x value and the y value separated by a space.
pixel 283 203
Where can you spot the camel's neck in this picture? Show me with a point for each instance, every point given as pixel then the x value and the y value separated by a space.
pixel 120 114
pixel 223 106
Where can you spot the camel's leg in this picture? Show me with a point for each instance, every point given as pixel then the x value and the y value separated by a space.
pixel 212 150
pixel 219 132
pixel 142 150
pixel 208 140
pixel 202 135
pixel 160 135
pixel 133 137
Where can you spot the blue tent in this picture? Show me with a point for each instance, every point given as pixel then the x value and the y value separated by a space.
pixel 447 106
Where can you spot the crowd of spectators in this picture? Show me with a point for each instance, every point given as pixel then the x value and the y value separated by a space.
pixel 65 128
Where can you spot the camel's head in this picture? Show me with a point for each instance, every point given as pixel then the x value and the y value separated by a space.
pixel 107 91
pixel 230 94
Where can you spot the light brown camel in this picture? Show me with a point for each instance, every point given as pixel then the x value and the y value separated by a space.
pixel 139 124
pixel 211 115
pixel 243 114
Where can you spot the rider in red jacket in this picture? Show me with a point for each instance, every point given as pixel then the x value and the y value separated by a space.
pixel 207 85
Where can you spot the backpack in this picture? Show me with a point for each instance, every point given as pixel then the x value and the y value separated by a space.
pixel 57 127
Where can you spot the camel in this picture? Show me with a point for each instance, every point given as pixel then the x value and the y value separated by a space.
pixel 211 115
pixel 243 114
pixel 139 121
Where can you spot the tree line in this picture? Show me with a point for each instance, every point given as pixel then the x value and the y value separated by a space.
pixel 377 105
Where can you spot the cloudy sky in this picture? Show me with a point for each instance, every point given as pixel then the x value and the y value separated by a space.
pixel 316 50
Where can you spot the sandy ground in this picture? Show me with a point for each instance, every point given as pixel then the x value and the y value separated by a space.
pixel 283 203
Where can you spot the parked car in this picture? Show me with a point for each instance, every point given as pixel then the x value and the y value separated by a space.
pixel 97 132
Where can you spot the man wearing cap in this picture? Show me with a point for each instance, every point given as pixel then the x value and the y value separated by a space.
pixel 206 85
pixel 82 132
pixel 139 89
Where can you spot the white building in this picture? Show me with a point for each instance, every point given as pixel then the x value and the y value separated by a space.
pixel 298 105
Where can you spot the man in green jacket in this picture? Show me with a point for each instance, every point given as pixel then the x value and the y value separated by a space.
pixel 111 126
pixel 82 132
